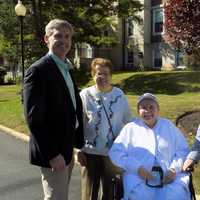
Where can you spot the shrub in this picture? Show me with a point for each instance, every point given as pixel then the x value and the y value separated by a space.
pixel 19 79
pixel 9 80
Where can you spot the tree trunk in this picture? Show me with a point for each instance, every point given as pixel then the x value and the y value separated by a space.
pixel 37 20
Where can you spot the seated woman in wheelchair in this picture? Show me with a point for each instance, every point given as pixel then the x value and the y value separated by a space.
pixel 151 151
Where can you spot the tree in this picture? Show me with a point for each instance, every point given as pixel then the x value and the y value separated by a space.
pixel 9 36
pixel 182 24
pixel 90 18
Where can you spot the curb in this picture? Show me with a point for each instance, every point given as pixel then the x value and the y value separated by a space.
pixel 23 137
pixel 14 133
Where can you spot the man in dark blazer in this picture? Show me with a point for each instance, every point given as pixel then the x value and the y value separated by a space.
pixel 53 111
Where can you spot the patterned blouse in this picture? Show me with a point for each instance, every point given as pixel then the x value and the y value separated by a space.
pixel 105 113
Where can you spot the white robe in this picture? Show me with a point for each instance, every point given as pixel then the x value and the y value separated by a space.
pixel 138 145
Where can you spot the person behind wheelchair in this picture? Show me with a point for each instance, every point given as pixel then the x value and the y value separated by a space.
pixel 151 151
pixel 194 155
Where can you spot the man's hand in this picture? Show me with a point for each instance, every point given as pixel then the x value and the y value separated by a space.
pixel 144 174
pixel 81 158
pixel 188 165
pixel 57 163
pixel 171 175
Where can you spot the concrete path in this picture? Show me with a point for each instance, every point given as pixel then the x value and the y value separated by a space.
pixel 18 179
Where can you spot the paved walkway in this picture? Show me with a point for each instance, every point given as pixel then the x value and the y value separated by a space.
pixel 18 179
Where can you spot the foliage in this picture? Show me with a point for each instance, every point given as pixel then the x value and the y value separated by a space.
pixel 193 60
pixel 9 80
pixel 9 32
pixel 2 71
pixel 182 24
pixel 91 20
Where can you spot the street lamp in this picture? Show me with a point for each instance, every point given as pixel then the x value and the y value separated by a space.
pixel 20 10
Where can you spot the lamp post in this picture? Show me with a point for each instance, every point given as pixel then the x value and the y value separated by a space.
pixel 20 10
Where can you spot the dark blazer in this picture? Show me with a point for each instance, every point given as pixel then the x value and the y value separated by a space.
pixel 50 113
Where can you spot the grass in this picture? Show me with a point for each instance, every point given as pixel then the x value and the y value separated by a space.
pixel 11 110
pixel 177 92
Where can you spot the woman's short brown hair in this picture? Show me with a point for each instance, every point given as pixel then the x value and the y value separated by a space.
pixel 102 62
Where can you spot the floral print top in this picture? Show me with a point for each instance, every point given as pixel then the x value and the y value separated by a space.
pixel 98 133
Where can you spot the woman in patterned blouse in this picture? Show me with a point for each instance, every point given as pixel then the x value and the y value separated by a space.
pixel 106 111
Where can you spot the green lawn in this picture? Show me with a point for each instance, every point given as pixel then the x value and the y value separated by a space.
pixel 11 109
pixel 178 92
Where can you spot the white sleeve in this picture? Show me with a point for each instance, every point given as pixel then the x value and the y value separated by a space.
pixel 181 149
pixel 83 95
pixel 119 152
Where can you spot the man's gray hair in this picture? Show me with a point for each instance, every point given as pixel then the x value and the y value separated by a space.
pixel 56 24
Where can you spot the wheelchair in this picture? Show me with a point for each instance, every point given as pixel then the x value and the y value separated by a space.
pixel 117 185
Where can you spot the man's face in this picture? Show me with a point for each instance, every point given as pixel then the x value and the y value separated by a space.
pixel 148 110
pixel 59 42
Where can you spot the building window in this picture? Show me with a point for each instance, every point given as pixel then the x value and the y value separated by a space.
pixel 89 52
pixel 106 33
pixel 130 57
pixel 130 27
pixel 157 58
pixel 1 60
pixel 157 21
pixel 85 51
pixel 179 58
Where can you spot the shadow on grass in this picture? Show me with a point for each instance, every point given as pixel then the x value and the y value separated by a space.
pixel 3 100
pixel 170 83
pixel 189 121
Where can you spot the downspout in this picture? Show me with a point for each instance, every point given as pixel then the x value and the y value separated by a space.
pixel 123 44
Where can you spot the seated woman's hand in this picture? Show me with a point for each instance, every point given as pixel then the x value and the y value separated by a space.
pixel 171 175
pixel 188 165
pixel 144 174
